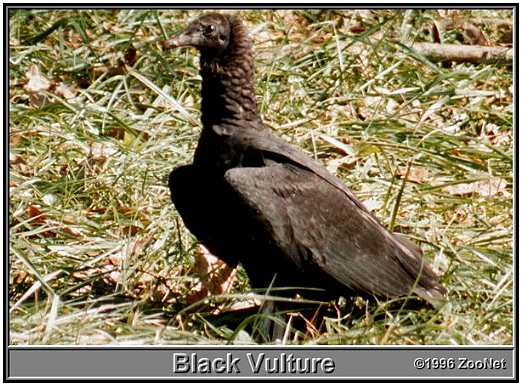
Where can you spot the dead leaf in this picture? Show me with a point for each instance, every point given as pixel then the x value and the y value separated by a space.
pixel 114 260
pixel 110 27
pixel 72 232
pixel 344 162
pixel 491 187
pixel 15 159
pixel 35 214
pixel 492 134
pixel 455 152
pixel 138 246
pixel 115 276
pixel 97 210
pixel 129 230
pixel 486 188
pixel 115 132
pixel 14 139
pixel 99 70
pixel 38 218
pixel 357 28
pixel 66 91
pixel 125 209
pixel 130 56
pixel 461 189
pixel 20 277
pixel 20 165
pixel 416 174
pixel 321 39
pixel 216 276
pixel 471 34
pixel 337 144
pixel 83 82
pixel 36 82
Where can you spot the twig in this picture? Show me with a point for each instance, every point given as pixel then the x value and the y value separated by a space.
pixel 495 22
pixel 463 53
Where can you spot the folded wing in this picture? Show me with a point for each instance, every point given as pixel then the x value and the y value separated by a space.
pixel 320 228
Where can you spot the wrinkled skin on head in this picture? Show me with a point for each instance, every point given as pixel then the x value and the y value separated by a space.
pixel 210 34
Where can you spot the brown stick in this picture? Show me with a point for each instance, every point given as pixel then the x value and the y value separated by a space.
pixel 463 53
pixel 495 22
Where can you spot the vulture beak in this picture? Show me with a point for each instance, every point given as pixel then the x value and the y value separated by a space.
pixel 184 39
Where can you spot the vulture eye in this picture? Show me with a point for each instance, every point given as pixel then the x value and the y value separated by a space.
pixel 209 29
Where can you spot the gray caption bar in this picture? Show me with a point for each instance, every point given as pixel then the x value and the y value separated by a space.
pixel 224 362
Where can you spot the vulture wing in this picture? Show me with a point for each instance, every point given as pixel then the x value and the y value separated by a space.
pixel 330 229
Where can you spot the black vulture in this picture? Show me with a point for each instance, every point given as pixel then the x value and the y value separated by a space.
pixel 252 198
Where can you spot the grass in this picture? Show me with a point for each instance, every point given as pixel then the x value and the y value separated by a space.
pixel 98 254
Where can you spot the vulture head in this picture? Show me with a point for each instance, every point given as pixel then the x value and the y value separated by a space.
pixel 210 34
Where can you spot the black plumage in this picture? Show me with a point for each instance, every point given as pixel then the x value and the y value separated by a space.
pixel 252 198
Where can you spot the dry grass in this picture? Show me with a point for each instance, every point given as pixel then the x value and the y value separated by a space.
pixel 98 254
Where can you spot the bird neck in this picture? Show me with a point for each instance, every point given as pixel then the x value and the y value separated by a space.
pixel 228 89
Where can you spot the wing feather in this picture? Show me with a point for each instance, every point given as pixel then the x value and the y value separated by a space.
pixel 318 228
